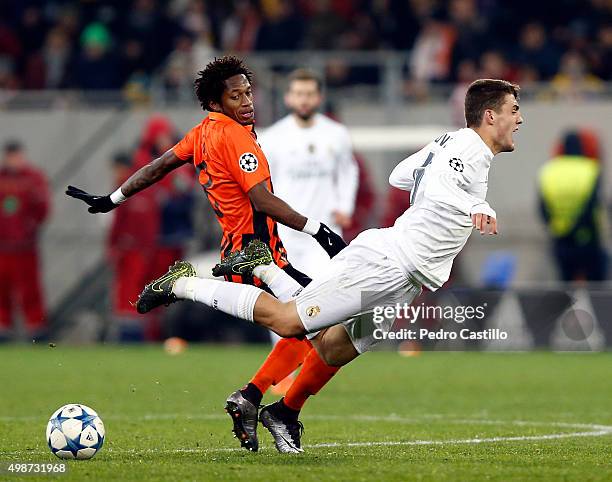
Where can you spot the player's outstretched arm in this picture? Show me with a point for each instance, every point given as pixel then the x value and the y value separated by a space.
pixel 141 179
pixel 266 202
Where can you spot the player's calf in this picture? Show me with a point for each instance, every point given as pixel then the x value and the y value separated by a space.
pixel 334 346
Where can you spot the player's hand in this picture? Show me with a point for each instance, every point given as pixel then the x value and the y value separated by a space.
pixel 331 242
pixel 342 220
pixel 484 223
pixel 97 204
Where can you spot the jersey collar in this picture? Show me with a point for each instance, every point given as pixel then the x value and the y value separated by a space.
pixel 488 152
pixel 220 117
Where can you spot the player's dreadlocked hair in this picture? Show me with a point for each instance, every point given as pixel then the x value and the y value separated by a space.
pixel 209 85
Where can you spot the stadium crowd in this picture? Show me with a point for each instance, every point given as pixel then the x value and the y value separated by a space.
pixel 125 44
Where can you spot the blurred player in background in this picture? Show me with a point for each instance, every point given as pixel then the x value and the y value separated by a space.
pixel 24 206
pixel 175 196
pixel 314 171
pixel 448 181
pixel 175 193
pixel 131 247
pixel 312 164
pixel 234 174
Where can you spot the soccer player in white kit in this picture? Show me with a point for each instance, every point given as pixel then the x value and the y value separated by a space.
pixel 382 267
pixel 314 171
pixel 313 168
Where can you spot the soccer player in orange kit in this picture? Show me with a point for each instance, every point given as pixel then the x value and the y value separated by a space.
pixel 235 176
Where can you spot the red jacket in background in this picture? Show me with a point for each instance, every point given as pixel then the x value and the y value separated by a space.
pixel 364 201
pixel 396 203
pixel 160 125
pixel 135 223
pixel 24 206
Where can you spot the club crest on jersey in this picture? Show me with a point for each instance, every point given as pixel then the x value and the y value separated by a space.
pixel 313 311
pixel 456 164
pixel 248 162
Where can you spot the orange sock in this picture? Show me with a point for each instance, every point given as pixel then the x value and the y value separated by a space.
pixel 315 373
pixel 285 357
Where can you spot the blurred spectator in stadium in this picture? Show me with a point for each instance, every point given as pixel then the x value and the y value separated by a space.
pixel 494 65
pixel 196 23
pixel 10 44
pixel 574 80
pixel 471 31
pixel 239 30
pixel 8 80
pixel 188 57
pixel 31 29
pixel 323 27
pixel 467 72
pixel 57 56
pixel 571 206
pixel 24 207
pixel 131 248
pixel 431 57
pixel 49 67
pixel 174 194
pixel 96 66
pixel 281 28
pixel 132 63
pixel 535 50
pixel 178 71
pixel 147 22
pixel 195 20
pixel 443 34
pixel 602 54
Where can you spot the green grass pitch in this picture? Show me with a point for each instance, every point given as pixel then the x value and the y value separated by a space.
pixel 439 416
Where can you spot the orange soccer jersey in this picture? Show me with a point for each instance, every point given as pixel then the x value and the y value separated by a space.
pixel 229 162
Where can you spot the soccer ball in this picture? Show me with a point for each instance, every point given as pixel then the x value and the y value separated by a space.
pixel 75 431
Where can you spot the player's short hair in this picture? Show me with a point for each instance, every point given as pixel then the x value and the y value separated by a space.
pixel 305 74
pixel 122 158
pixel 210 82
pixel 13 145
pixel 483 94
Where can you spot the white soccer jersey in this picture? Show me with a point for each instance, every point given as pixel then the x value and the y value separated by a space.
pixel 448 182
pixel 314 171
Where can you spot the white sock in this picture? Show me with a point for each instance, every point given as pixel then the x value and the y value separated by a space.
pixel 284 287
pixel 231 298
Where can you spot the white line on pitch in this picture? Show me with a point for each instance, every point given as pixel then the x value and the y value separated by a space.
pixel 597 431
pixel 392 418
pixel 386 443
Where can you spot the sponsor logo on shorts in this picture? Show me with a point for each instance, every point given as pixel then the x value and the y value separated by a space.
pixel 313 311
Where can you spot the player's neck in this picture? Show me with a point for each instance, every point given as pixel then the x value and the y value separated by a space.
pixel 487 139
pixel 304 123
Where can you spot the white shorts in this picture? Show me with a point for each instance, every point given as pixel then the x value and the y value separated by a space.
pixel 359 279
